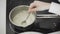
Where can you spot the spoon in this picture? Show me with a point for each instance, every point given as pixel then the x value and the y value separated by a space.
pixel 25 19
pixel 28 15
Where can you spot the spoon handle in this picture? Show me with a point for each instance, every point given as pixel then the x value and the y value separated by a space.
pixel 27 16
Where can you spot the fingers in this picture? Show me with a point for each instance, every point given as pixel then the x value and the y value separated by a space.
pixel 32 10
pixel 32 7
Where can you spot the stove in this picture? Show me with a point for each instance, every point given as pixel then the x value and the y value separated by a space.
pixel 35 27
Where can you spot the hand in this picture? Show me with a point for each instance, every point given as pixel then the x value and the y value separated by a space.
pixel 38 6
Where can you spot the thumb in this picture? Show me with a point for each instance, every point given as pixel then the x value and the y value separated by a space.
pixel 32 10
pixel 32 7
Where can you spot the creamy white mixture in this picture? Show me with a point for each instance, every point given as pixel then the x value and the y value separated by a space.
pixel 20 17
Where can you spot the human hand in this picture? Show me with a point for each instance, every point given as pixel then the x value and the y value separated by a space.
pixel 38 6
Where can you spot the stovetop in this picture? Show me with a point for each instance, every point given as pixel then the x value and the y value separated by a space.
pixel 10 5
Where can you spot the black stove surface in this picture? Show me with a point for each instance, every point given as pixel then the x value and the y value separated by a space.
pixel 10 5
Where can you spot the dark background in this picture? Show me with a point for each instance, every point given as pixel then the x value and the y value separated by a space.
pixel 13 3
